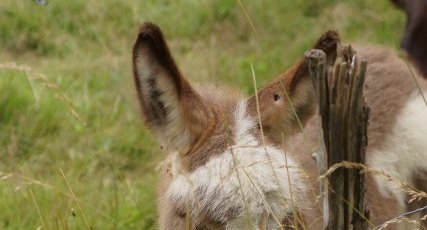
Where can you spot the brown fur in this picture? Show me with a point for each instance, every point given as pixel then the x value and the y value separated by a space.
pixel 167 214
pixel 291 87
pixel 203 114
pixel 387 89
pixel 415 36
pixel 197 120
pixel 223 102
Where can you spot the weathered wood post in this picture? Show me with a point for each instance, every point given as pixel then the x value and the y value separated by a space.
pixel 344 114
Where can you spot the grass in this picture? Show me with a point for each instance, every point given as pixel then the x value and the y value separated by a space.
pixel 67 102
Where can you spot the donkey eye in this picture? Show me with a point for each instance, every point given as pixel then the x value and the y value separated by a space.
pixel 276 97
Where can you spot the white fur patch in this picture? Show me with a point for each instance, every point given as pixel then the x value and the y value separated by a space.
pixel 241 183
pixel 405 148
pixel 243 126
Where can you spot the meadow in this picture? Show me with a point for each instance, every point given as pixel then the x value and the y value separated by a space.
pixel 74 153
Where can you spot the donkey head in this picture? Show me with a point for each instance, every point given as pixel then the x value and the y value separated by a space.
pixel 185 119
pixel 201 122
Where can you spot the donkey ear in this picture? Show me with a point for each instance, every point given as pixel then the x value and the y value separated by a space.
pixel 289 100
pixel 172 109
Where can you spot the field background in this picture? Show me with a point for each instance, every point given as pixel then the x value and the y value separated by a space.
pixel 73 150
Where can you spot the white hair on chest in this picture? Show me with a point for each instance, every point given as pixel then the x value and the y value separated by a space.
pixel 244 181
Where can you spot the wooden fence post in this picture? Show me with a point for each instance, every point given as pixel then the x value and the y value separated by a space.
pixel 344 114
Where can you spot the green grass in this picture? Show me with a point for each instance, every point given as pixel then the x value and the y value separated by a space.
pixel 76 108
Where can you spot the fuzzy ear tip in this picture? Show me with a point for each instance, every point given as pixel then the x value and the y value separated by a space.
pixel 328 41
pixel 332 35
pixel 149 30
pixel 148 27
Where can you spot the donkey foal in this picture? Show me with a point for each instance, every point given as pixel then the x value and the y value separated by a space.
pixel 226 167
